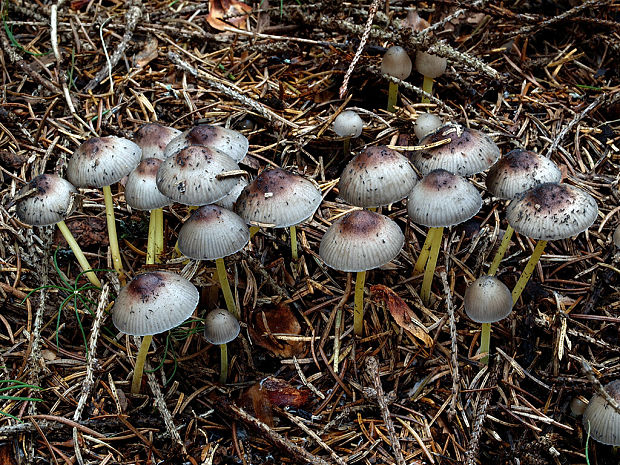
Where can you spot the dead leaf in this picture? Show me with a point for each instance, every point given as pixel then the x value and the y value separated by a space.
pixel 401 312
pixel 415 22
pixel 277 320
pixel 273 391
pixel 147 54
pixel 234 12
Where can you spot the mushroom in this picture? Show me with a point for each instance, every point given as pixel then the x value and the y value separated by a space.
pixel 395 63
pixel 601 420
pixel 360 241
pixel 150 304
pixel 212 233
pixel 221 327
pixel 101 162
pixel 426 123
pixel 548 212
pixel 49 199
pixel 431 67
pixel 487 300
pixel 231 142
pixel 348 124
pixel 153 138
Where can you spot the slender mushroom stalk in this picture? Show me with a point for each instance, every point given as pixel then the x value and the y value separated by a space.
pixel 293 231
pixel 138 371
pixel 223 278
pixel 436 236
pixel 348 124
pixel 79 255
pixel 358 309
pixel 221 328
pixel 420 263
pixel 395 63
pixel 501 251
pixel 528 270
pixel 111 222
pixel 223 363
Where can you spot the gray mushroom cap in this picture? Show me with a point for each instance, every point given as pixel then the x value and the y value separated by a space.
pixel 348 124
pixel 552 211
pixel 212 232
pixel 520 170
pixel 443 199
pixel 360 241
pixel 487 300
pixel 141 190
pixel 231 142
pixel 190 176
pixel 375 177
pixel 396 62
pixel 154 302
pixel 279 199
pixel 46 199
pixel 426 123
pixel 601 419
pixel 102 161
pixel 430 65
pixel 221 327
pixel 153 139
pixel 469 151
pixel 228 201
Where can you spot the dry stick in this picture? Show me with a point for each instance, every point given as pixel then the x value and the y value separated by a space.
pixel 471 456
pixel 453 341
pixel 598 386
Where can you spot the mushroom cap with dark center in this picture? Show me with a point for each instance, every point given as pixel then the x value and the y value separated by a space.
pixel 552 211
pixel 279 199
pixel 221 327
pixel 232 143
pixel 520 170
pixel 469 151
pixel 430 65
pixel 154 302
pixel 141 190
pixel 377 176
pixel 396 63
pixel 212 232
pixel 190 176
pixel 487 300
pixel 443 199
pixel 46 199
pixel 348 124
pixel 102 161
pixel 601 419
pixel 360 241
pixel 153 139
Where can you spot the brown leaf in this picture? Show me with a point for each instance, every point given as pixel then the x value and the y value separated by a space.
pixel 273 391
pixel 279 320
pixel 235 13
pixel 147 54
pixel 88 231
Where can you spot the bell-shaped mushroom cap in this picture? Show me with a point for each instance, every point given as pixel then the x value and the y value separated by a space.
pixel 377 176
pixel 141 190
pixel 348 124
pixel 190 176
pixel 153 139
pixel 443 199
pixel 278 199
pixel 221 327
pixel 212 232
pixel 552 211
pixel 102 161
pixel 487 300
pixel 616 236
pixel 469 151
pixel 46 199
pixel 396 63
pixel 360 241
pixel 518 171
pixel 154 302
pixel 232 143
pixel 426 123
pixel 429 65
pixel 228 202
pixel 601 419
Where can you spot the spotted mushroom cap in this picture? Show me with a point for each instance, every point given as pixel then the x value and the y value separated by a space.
pixel 469 151
pixel 141 190
pixel 360 241
pixel 212 232
pixel 552 211
pixel 443 199
pixel 221 327
pixel 601 419
pixel 278 199
pixel 430 65
pixel 396 62
pixel 154 302
pixel 377 176
pixel 102 161
pixel 487 300
pixel 348 124
pixel 153 139
pixel 190 176
pixel 46 199
pixel 232 143
pixel 520 170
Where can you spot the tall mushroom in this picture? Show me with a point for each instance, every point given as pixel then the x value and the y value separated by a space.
pixel 221 327
pixel 395 63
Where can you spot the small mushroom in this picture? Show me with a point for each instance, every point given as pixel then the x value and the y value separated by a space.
pixel 601 420
pixel 431 67
pixel 221 327
pixel 426 123
pixel 348 124
pixel 395 63
pixel 153 139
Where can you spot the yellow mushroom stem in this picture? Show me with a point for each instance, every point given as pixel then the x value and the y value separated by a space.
pixel 223 363
pixel 223 278
pixel 294 242
pixel 392 96
pixel 528 270
pixel 109 215
pixel 79 255
pixel 501 251
pixel 136 381
pixel 429 271
pixel 347 146
pixel 151 239
pixel 423 257
pixel 427 86
pixel 358 309
pixel 253 231
pixel 158 249
pixel 485 342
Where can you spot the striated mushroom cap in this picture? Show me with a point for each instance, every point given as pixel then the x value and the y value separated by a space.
pixel 601 419
pixel 487 300
pixel 232 143
pixel 396 63
pixel 141 190
pixel 46 199
pixel 221 327
pixel 153 139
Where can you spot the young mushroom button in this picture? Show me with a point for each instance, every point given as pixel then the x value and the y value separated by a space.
pixel 395 63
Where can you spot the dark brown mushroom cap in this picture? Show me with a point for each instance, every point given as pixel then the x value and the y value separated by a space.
pixel 221 327
pixel 153 139
pixel 102 161
pixel 443 199
pixel 141 190
pixel 469 151
pixel 279 199
pixel 190 176
pixel 487 300
pixel 552 211
pixel 360 241
pixel 601 419
pixel 377 176
pixel 46 199
pixel 212 232
pixel 520 170
pixel 232 143
pixel 154 302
